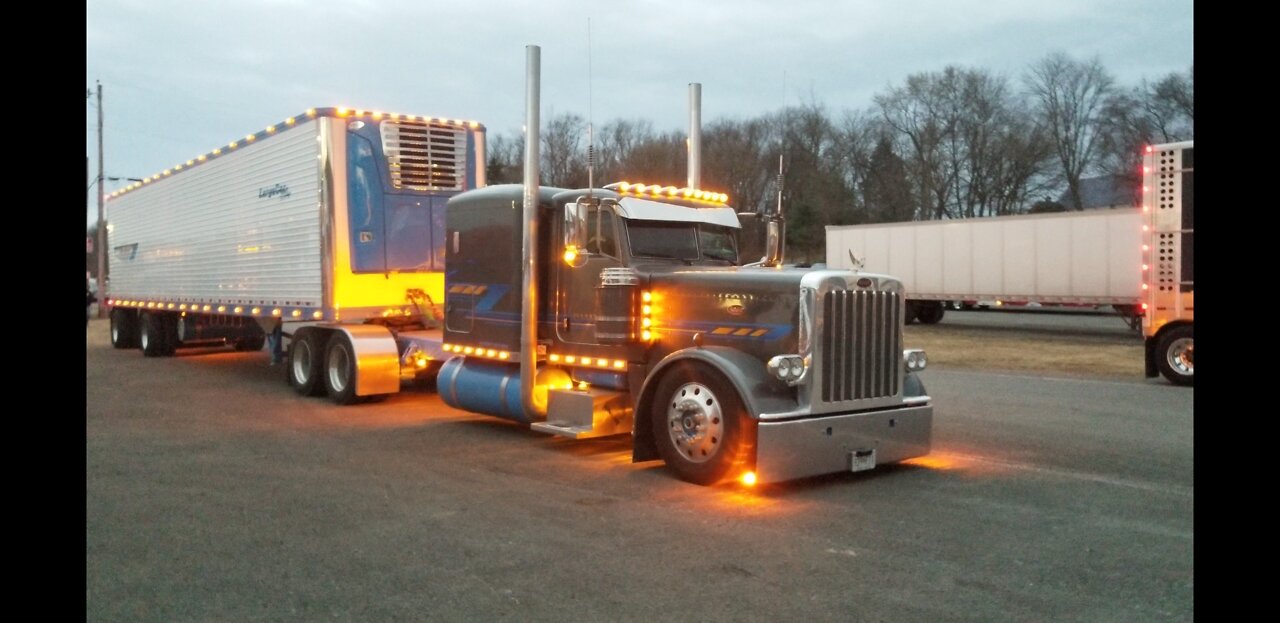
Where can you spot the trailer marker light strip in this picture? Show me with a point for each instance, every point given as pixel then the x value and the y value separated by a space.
pixel 658 191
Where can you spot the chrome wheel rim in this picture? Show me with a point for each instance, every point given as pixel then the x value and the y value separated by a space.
pixel 301 362
pixel 146 341
pixel 115 334
pixel 338 365
pixel 695 422
pixel 1180 356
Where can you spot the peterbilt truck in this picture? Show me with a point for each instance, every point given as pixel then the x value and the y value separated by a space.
pixel 579 312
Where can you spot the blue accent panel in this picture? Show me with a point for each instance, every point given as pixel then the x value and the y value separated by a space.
pixel 365 206
pixel 478 386
pixel 409 232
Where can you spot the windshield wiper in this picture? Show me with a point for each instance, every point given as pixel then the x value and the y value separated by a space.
pixel 666 257
pixel 722 258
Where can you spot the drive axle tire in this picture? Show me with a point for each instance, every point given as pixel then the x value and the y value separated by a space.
pixel 306 363
pixel 155 339
pixel 124 329
pixel 340 371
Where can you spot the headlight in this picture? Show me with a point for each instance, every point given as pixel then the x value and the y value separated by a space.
pixel 787 368
pixel 915 359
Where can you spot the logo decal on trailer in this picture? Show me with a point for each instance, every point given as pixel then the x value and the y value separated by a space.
pixel 279 190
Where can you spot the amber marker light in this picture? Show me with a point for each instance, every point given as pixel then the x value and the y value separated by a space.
pixel 749 479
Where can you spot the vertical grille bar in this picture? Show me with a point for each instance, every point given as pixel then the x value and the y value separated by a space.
pixel 861 345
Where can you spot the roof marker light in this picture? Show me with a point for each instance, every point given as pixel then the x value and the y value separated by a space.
pixel 311 112
pixel 290 121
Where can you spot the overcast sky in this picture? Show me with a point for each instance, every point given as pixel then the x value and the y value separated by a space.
pixel 180 78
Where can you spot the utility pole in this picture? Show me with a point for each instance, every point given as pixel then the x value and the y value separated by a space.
pixel 102 226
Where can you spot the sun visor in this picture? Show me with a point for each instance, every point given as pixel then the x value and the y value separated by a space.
pixel 646 210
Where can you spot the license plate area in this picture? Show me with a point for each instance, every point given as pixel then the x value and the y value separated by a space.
pixel 862 460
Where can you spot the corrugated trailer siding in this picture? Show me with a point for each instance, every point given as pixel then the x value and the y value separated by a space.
pixel 206 234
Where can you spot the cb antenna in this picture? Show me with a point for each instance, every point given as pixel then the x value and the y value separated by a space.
pixel 591 144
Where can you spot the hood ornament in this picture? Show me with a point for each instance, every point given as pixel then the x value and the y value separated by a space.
pixel 855 261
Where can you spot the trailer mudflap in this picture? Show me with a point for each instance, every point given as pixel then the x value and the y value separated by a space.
pixel 841 443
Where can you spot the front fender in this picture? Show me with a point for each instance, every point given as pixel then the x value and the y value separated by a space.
pixel 759 391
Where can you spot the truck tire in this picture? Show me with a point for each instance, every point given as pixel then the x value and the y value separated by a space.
pixel 929 312
pixel 1173 355
pixel 124 329
pixel 154 339
pixel 306 364
pixel 699 424
pixel 909 313
pixel 340 370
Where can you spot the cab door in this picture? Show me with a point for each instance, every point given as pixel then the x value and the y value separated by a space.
pixel 578 280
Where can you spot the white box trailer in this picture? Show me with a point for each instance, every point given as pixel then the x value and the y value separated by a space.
pixel 333 219
pixel 1075 258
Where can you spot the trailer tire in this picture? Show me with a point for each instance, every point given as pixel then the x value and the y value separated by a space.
pixel 930 312
pixel 909 313
pixel 306 364
pixel 700 427
pixel 154 339
pixel 340 370
pixel 124 328
pixel 1174 355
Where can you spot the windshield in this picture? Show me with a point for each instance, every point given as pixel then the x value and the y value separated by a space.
pixel 682 241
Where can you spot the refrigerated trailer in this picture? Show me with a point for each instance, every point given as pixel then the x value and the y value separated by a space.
pixel 1069 258
pixel 580 313
pixel 331 220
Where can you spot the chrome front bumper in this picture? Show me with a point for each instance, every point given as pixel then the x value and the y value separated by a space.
pixel 841 443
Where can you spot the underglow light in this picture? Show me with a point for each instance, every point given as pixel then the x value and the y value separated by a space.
pixel 182 306
pixel 222 308
pixel 570 359
pixel 646 296
pixel 170 306
pixel 647 335
pixel 239 309
pixel 206 308
pixel 618 363
pixel 646 323
pixel 504 355
pixel 647 309
pixel 553 357
pixel 275 312
pixel 255 311
pixel 749 479
pixel 491 353
pixel 468 350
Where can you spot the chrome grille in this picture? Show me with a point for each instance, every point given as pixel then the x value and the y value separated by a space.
pixel 424 155
pixel 861 344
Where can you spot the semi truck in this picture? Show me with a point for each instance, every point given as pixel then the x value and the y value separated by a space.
pixel 581 313
pixel 1137 260
pixel 1085 258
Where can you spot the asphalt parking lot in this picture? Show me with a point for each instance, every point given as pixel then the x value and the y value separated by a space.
pixel 213 492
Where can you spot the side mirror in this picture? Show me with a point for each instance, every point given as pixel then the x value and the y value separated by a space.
pixel 575 233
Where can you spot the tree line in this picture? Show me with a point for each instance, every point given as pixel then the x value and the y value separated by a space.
pixel 956 143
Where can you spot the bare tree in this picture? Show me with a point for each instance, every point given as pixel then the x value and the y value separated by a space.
pixel 505 159
pixel 1070 96
pixel 564 151
pixel 919 112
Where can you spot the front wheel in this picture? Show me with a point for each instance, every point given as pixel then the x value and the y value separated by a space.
pixel 929 312
pixel 699 424
pixel 1174 352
